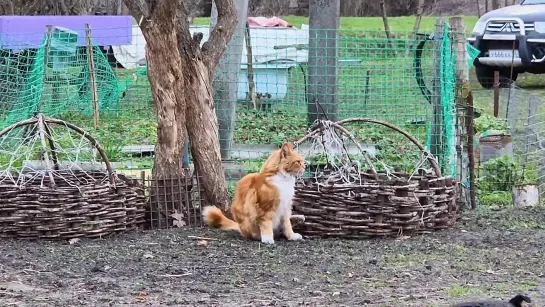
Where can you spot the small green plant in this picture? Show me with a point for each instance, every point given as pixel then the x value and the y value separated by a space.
pixel 7 160
pixel 458 291
pixel 488 122
pixel 231 186
pixel 501 174
pixel 499 198
pixel 114 152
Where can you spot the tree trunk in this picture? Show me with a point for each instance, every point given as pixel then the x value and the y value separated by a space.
pixel 202 126
pixel 352 7
pixel 496 4
pixel 168 173
pixel 60 7
pixel 419 12
pixel 170 111
pixel 417 22
pixel 180 74
pixel 387 27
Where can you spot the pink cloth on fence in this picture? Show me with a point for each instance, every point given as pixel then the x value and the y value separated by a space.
pixel 268 22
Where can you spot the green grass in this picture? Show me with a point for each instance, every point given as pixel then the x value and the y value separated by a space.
pixel 386 94
pixel 462 290
pixel 397 24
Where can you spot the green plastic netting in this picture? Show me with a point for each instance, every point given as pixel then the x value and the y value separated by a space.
pixel 55 78
pixel 448 83
pixel 448 88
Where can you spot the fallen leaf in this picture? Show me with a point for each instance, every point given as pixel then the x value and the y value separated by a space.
pixel 202 243
pixel 73 241
pixel 350 275
pixel 178 219
pixel 141 297
pixel 178 224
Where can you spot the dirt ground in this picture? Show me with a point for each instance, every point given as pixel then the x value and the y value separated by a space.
pixel 492 254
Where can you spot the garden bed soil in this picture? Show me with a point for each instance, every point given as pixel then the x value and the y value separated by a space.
pixel 489 254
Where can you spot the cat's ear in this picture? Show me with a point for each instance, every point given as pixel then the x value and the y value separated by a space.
pixel 287 147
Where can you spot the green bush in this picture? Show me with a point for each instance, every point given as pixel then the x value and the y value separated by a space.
pixel 501 174
pixel 488 122
pixel 501 198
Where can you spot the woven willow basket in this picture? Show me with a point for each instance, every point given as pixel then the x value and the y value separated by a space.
pixel 379 205
pixel 51 206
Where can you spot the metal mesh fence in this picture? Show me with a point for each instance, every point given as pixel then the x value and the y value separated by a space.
pixel 276 83
pixel 510 148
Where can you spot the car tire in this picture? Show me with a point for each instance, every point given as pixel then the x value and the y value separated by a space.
pixel 485 76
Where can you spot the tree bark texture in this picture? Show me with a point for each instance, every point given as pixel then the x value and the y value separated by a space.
pixel 180 74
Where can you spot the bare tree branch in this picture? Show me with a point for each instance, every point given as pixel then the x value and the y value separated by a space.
pixel 139 9
pixel 64 8
pixel 9 10
pixel 119 8
pixel 222 33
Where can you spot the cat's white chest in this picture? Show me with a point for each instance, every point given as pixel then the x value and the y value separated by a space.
pixel 286 185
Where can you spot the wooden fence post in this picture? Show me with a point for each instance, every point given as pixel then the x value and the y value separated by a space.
pixel 322 59
pixel 437 107
pixel 92 74
pixel 458 31
pixel 226 76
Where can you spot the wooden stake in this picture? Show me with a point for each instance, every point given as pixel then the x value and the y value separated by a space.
pixel 496 86
pixel 41 131
pixel 471 151
pixel 92 74
pixel 48 32
pixel 366 91
pixel 250 68
pixel 437 120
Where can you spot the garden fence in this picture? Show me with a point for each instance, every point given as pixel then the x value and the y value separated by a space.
pixel 276 83
pixel 511 149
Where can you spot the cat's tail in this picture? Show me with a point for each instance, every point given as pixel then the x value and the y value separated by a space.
pixel 213 216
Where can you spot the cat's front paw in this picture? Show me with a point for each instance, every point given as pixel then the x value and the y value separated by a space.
pixel 267 240
pixel 295 237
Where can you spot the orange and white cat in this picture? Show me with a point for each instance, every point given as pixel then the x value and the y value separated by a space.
pixel 263 201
